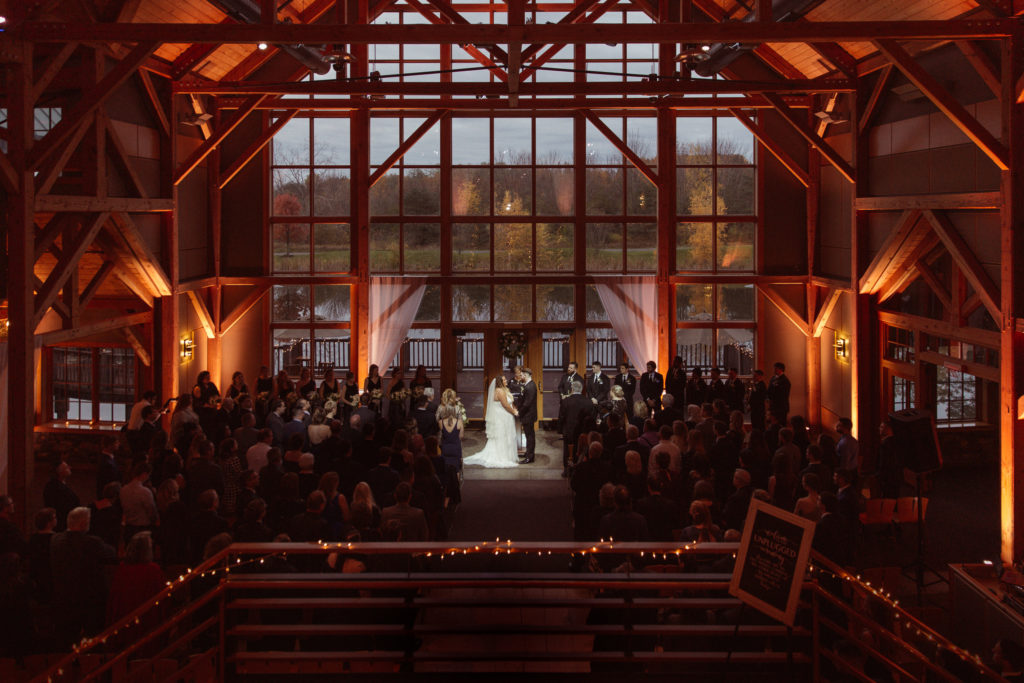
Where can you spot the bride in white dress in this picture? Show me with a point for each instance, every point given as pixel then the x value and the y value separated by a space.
pixel 501 449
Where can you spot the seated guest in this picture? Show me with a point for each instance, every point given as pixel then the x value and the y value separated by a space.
pixel 135 581
pixel 57 494
pixel 735 512
pixel 231 466
pixel 288 503
pixel 724 459
pixel 297 426
pixel 310 524
pixel 318 429
pixel 39 570
pixel 107 515
pixel 661 513
pixel 383 478
pixel 614 436
pixel 605 505
pixel 428 485
pixel 589 475
pixel 412 522
pixel 669 411
pixel 634 478
pixel 137 502
pixel 665 444
pixel 833 535
pixel 817 467
pixel 203 474
pixel 633 443
pixel 270 476
pixel 248 436
pixel 251 528
pixel 206 524
pixel 78 563
pixel 336 509
pixel 293 451
pixel 702 530
pixel 623 524
pixel 308 479
pixel 250 491
pixel 172 534
pixel 650 436
pixel 107 469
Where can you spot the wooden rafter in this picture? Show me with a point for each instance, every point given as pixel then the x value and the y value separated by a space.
pixel 810 136
pixel 52 68
pixel 445 8
pixel 154 101
pixel 141 352
pixel 90 101
pixel 982 64
pixel 836 55
pixel 773 147
pixel 888 254
pixel 577 14
pixel 58 306
pixel 108 324
pixel 961 200
pixel 254 148
pixel 871 106
pixel 203 313
pixel 71 254
pixel 903 273
pixel 97 280
pixel 970 335
pixel 968 263
pixel 229 321
pixel 516 19
pixel 787 311
pixel 49 203
pixel 50 232
pixel 222 132
pixel 765 53
pixel 121 154
pixel 406 145
pixel 932 280
pixel 126 233
pixel 472 50
pixel 620 145
pixel 818 326
pixel 49 174
pixel 536 61
pixel 946 103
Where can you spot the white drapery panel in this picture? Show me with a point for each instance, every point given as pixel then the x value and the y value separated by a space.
pixel 632 307
pixel 394 302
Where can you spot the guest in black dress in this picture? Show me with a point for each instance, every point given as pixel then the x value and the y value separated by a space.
pixel 238 385
pixel 373 384
pixel 349 396
pixel 397 398
pixel 307 385
pixel 330 386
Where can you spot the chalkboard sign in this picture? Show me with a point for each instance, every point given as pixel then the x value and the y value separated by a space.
pixel 772 560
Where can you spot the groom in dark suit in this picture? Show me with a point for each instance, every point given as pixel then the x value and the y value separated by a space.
pixel 528 413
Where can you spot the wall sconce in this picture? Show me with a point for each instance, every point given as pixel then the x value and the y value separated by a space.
pixel 842 347
pixel 188 346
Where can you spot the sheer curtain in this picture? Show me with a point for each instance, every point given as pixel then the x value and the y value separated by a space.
pixel 394 302
pixel 632 307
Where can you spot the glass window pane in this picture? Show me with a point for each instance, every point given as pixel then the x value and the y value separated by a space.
pixel 290 246
pixel 555 302
pixel 471 192
pixel 600 149
pixel 736 246
pixel 595 309
pixel 513 191
pixel 291 143
pixel 291 192
pixel 512 141
pixel 555 191
pixel 693 246
pixel 331 141
pixel 291 351
pixel 384 247
pixel 641 247
pixel 384 195
pixel 604 191
pixel 735 142
pixel 430 306
pixel 694 302
pixel 641 194
pixel 513 303
pixel 332 193
pixel 513 247
pixel 421 192
pixel 555 141
pixel 384 138
pixel 471 303
pixel 290 303
pixel 694 192
pixel 331 349
pixel 736 350
pixel 736 191
pixel 736 302
pixel 473 137
pixel 422 247
pixel 555 247
pixel 427 150
pixel 693 140
pixel 332 303
pixel 642 137
pixel 694 345
pixel 471 247
pixel 604 247
pixel 332 248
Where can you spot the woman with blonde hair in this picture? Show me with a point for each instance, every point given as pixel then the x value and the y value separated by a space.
pixel 362 495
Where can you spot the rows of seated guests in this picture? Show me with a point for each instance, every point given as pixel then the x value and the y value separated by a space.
pixel 225 472
pixel 670 477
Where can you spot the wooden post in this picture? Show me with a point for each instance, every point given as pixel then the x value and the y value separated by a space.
pixel 21 299
pixel 813 344
pixel 214 356
pixel 666 239
pixel 359 135
pixel 1011 356
pixel 167 320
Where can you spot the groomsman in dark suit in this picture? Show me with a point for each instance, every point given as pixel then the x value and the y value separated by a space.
pixel 528 414
pixel 628 383
pixel 651 386
pixel 716 387
pixel 570 376
pixel 758 395
pixel 598 385
pixel 735 391
pixel 778 393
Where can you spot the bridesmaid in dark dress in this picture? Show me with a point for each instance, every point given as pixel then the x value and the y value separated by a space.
pixel 307 385
pixel 350 395
pixel 398 406
pixel 451 431
pixel 420 381
pixel 264 383
pixel 238 385
pixel 330 386
pixel 283 385
pixel 371 384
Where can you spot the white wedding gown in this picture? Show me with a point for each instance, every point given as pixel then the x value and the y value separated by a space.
pixel 501 449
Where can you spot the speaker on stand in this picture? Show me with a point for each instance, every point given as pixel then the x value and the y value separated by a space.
pixel 918 443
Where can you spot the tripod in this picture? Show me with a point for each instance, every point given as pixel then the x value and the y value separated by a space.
pixel 917 569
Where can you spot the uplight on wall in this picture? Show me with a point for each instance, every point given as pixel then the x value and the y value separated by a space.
pixel 188 347
pixel 842 347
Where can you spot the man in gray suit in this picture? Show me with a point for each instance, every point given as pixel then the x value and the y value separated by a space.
pixel 411 521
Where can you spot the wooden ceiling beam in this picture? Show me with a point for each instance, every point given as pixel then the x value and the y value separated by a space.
pixel 52 68
pixel 821 319
pixel 941 328
pixel 49 203
pixel 50 232
pixel 203 313
pixel 787 311
pixel 48 175
pixel 71 254
pixel 947 104
pixel 578 14
pixel 968 263
pixel 406 145
pixel 92 99
pixel 613 106
pixel 871 106
pixel 472 50
pixel 108 324
pixel 932 280
pixel 154 101
pixel 141 352
pixel 94 284
pixel 254 148
pixel 836 54
pixel 752 33
pixel 872 279
pixel 773 147
pixel 58 306
pixel 121 154
pixel 979 59
pixel 811 137
pixel 222 132
pixel 124 231
pixel 229 321
pixel 957 200
pixel 620 145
